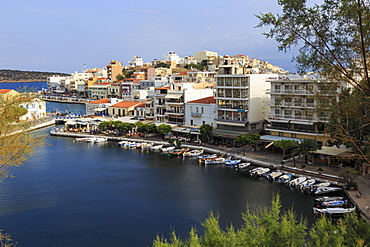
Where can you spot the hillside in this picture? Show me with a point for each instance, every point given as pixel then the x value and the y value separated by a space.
pixel 7 75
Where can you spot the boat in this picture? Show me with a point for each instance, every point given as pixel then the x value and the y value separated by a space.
pixel 100 139
pixel 328 198
pixel 215 161
pixel 156 148
pixel 285 178
pixel 85 139
pixel 297 181
pixel 326 184
pixel 121 143
pixel 335 203
pixel 259 171
pixel 326 190
pixel 307 184
pixel 176 152
pixel 146 146
pixel 274 175
pixel 207 156
pixel 332 211
pixel 167 149
pixel 242 166
pixel 231 162
pixel 193 153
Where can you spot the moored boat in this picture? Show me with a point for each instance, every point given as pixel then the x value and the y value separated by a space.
pixel 274 175
pixel 193 153
pixel 100 139
pixel 215 161
pixel 231 162
pixel 337 211
pixel 297 181
pixel 242 166
pixel 285 178
pixel 335 203
pixel 326 190
pixel 156 148
pixel 167 149
pixel 307 184
pixel 259 171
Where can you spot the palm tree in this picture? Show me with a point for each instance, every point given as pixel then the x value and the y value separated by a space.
pixel 305 147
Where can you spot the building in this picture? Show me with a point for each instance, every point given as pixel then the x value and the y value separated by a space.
pixel 201 111
pixel 123 108
pixel 113 69
pixel 293 101
pixel 136 62
pixel 99 107
pixel 104 90
pixel 6 94
pixel 241 98
pixel 36 109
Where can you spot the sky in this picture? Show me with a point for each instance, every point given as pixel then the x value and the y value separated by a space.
pixel 62 36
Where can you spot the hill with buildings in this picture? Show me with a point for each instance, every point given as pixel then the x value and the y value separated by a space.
pixel 7 75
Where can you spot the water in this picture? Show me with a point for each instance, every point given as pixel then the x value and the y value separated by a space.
pixel 80 194
pixel 35 86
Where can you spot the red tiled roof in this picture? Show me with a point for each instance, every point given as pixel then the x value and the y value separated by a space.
pixel 207 100
pixel 126 104
pixel 183 73
pixel 100 101
pixel 4 91
pixel 142 104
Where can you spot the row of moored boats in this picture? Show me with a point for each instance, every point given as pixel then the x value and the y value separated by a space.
pixel 327 200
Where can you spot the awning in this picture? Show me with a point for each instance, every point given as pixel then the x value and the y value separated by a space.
pixel 231 123
pixel 268 145
pixel 333 151
pixel 272 138
pixel 173 96
pixel 100 109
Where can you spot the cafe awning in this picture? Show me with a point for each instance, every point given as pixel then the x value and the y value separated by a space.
pixel 100 109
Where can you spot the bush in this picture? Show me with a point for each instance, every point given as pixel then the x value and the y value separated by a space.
pixel 320 169
pixel 351 184
pixel 303 166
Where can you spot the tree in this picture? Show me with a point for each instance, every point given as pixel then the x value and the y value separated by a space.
pixel 334 40
pixel 206 130
pixel 17 144
pixel 305 147
pixel 285 145
pixel 162 65
pixel 164 129
pixel 248 139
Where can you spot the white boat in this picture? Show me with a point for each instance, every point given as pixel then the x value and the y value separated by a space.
pixel 121 143
pixel 193 153
pixel 326 184
pixel 333 211
pixel 166 149
pixel 207 156
pixel 100 139
pixel 85 139
pixel 156 148
pixel 216 161
pixel 285 178
pixel 231 162
pixel 242 166
pixel 297 181
pixel 146 146
pixel 306 184
pixel 274 175
pixel 326 190
pixel 257 172
pixel 328 198
pixel 335 203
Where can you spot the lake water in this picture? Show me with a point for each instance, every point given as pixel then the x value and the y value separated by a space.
pixel 80 194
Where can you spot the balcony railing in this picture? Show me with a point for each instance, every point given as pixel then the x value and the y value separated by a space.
pixel 196 114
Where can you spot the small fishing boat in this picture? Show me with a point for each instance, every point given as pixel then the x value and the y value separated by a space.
pixel 285 178
pixel 207 156
pixel 85 139
pixel 259 171
pixel 215 161
pixel 327 198
pixel 335 203
pixel 242 166
pixel 326 190
pixel 100 139
pixel 121 143
pixel 307 184
pixel 176 152
pixel 156 148
pixel 167 149
pixel 295 182
pixel 326 184
pixel 332 211
pixel 274 175
pixel 193 153
pixel 231 162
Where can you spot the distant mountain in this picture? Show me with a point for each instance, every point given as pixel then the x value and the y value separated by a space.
pixel 7 75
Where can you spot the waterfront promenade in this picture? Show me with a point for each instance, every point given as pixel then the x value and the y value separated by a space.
pixel 272 160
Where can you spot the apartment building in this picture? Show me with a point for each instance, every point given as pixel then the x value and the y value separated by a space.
pixel 241 96
pixel 201 111
pixel 114 68
pixel 104 90
pixel 293 101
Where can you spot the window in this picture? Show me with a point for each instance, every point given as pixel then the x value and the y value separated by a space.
pixel 191 122
pixel 202 110
pixel 197 111
pixel 191 109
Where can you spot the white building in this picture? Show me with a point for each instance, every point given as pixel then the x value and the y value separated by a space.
pixel 201 111
pixel 35 109
pixel 136 62
pixel 171 57
pixel 100 107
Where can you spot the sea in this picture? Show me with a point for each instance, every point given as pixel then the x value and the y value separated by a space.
pixel 85 194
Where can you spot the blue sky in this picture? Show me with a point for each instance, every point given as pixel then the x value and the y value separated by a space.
pixel 60 36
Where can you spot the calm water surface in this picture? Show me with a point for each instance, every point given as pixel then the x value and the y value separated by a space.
pixel 80 194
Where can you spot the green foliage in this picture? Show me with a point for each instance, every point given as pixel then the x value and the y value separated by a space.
pixel 348 174
pixel 145 128
pixel 162 65
pixel 326 233
pixel 164 129
pixel 286 145
pixel 305 147
pixel 206 130
pixel 199 67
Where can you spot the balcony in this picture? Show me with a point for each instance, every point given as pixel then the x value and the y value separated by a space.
pixel 196 114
